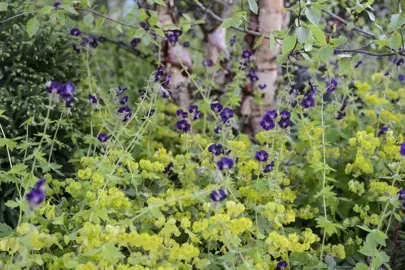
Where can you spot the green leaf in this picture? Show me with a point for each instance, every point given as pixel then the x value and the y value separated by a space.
pixel 258 42
pixel 302 34
pixel 139 33
pixel 272 41
pixel 395 41
pixel 313 15
pixel 288 44
pixel 160 2
pixel 231 22
pixel 7 142
pixel 253 6
pixel 111 253
pixel 379 259
pixel 119 28
pixel 3 6
pixel 376 236
pixel 88 19
pixel 371 15
pixel 319 35
pixel 45 10
pixel 68 8
pixel 5 230
pixel 32 26
pixel 397 20
pixel 339 41
pixel 329 227
pixel 17 169
pixel 12 204
pixel 325 52
pixel 360 266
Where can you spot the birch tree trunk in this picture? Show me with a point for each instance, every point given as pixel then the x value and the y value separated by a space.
pixel 271 17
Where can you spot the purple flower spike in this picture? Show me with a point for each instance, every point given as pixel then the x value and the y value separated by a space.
pixel 216 107
pixel 402 149
pixel 53 87
pixel 102 137
pixel 246 54
pixel 183 125
pixel 269 167
pixel 261 155
pixel 262 86
pixel 225 163
pixel 226 114
pixel 93 99
pixel 135 42
pixel 124 100
pixel 75 32
pixel 181 113
pixel 216 149
pixel 281 266
pixel 332 85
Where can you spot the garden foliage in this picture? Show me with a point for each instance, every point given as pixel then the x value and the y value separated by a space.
pixel 101 170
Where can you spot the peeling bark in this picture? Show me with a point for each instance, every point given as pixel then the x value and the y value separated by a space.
pixel 272 16
pixel 175 58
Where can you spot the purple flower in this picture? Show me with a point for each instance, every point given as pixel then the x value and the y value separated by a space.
pixel 261 155
pixel 124 110
pixel 332 85
pixel 226 114
pixel 225 163
pixel 358 64
pixel 70 102
pixel 127 116
pixel 271 114
pixel 53 87
pixel 165 93
pixel 284 119
pixel 216 107
pixel 102 137
pixel 183 125
pixel 181 113
pixel 269 167
pixel 93 99
pixel 262 86
pixel 124 100
pixel 144 25
pixel 186 44
pixel 76 48
pixel 93 42
pixel 37 194
pixel 56 4
pixel 207 63
pixel 383 130
pixel 217 129
pixel 67 90
pixel 193 109
pixel 172 38
pixel 401 77
pixel 400 62
pixel 75 32
pixel 197 115
pixel 252 75
pixel 308 101
pixel 281 266
pixel 402 149
pixel 216 149
pixel 219 195
pixel 387 73
pixel 267 124
pixel 168 168
pixel 401 194
pixel 159 73
pixel 340 115
pixel 177 32
pixel 246 54
pixel 135 42
pixel 167 81
pixel 121 90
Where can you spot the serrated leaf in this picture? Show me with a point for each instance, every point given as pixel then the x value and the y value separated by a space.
pixel 5 230
pixel 7 142
pixel 111 253
pixel 3 6
pixel 231 22
pixel 302 34
pixel 11 204
pixel 379 259
pixel 32 26
pixel 88 19
pixel 17 169
pixel 258 42
pixel 329 227
pixel 288 44
pixel 313 15
pixel 253 6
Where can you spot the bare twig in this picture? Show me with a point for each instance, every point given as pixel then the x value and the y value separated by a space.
pixel 18 15
pixel 354 51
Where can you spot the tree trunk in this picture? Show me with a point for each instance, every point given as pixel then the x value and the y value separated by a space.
pixel 272 16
